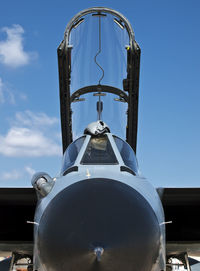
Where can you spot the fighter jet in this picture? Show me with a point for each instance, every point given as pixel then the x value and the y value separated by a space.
pixel 99 213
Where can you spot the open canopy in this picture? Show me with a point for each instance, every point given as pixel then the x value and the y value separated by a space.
pixel 99 74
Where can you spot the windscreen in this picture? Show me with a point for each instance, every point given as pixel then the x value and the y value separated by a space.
pixel 99 152
pixel 127 154
pixel 98 57
pixel 71 153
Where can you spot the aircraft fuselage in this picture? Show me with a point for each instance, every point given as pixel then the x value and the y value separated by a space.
pixel 100 218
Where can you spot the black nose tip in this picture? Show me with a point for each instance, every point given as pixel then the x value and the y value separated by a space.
pixel 98 224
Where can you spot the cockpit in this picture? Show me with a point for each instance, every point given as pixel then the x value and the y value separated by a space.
pixel 98 150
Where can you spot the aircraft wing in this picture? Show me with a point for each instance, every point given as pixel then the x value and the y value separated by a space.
pixel 17 206
pixel 182 207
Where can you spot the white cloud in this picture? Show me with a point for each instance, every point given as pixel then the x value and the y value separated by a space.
pixel 6 95
pixel 12 175
pixel 9 96
pixel 31 119
pixel 12 52
pixel 30 170
pixel 31 135
pixel 17 174
pixel 23 142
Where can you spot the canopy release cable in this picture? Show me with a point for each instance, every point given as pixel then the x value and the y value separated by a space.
pixel 99 103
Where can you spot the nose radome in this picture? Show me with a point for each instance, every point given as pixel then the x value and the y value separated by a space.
pixel 98 224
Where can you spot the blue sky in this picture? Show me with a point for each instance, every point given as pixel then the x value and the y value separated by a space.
pixel 169 131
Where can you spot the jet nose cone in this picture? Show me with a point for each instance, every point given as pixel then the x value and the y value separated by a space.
pixel 98 224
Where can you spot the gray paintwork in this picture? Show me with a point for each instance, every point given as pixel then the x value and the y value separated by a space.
pixel 138 183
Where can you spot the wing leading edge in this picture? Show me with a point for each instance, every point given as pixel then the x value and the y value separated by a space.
pixel 182 207
pixel 17 206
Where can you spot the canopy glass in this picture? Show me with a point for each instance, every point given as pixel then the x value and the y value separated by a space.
pixel 98 57
pixel 99 63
